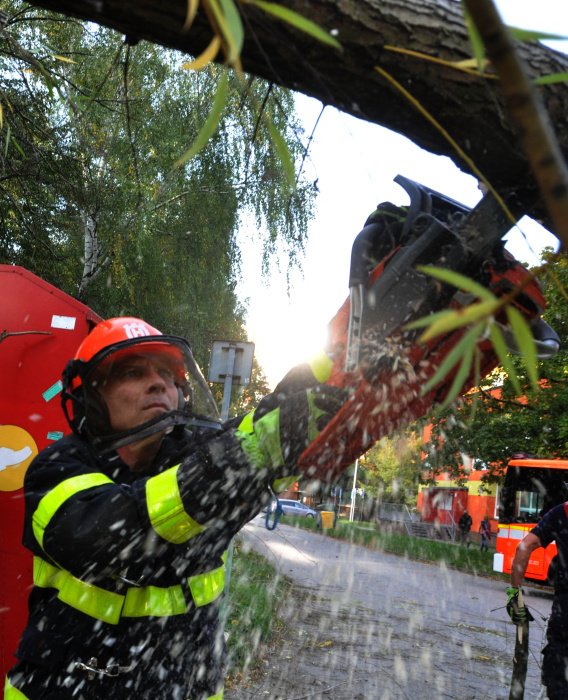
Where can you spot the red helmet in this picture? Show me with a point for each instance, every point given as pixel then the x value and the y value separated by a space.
pixel 109 342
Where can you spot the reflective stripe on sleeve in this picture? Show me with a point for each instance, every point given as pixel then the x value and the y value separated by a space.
pixel 217 696
pixel 148 601
pixel 55 498
pixel 11 693
pixel 321 366
pixel 166 510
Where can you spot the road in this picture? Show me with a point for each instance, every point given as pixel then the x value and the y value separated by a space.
pixel 369 625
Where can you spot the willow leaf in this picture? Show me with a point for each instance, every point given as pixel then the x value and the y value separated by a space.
pixel 502 352
pixel 460 318
pixel 476 41
pixel 192 7
pixel 230 41
pixel 429 320
pixel 298 21
pixel 534 35
pixel 7 140
pixel 552 79
pixel 283 153
pixel 211 124
pixel 476 381
pixel 525 343
pixel 234 24
pixel 206 57
pixel 64 59
pixel 460 378
pixel 456 280
pixel 452 358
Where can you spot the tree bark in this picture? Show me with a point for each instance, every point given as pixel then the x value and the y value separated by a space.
pixel 372 33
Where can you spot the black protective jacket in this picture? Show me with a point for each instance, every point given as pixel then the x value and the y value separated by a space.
pixel 118 565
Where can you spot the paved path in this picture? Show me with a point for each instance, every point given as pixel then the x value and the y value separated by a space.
pixel 372 625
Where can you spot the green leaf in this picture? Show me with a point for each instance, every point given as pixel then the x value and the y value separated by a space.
pixel 525 343
pixel 452 358
pixel 532 35
pixel 460 378
pixel 551 79
pixel 462 282
pixel 211 124
pixel 7 140
pixel 283 153
pixel 234 27
pixel 476 41
pixel 18 147
pixel 298 21
pixel 461 317
pixel 500 347
pixel 429 320
pixel 476 381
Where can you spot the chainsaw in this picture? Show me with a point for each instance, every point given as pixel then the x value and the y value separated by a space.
pixel 382 364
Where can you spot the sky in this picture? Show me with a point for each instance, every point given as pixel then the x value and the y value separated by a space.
pixel 355 163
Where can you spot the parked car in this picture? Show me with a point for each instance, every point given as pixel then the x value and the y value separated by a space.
pixel 296 509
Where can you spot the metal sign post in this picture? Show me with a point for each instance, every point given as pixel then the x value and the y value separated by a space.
pixel 354 492
pixel 230 363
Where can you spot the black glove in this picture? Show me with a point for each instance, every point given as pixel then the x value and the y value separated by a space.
pixel 520 615
pixel 279 430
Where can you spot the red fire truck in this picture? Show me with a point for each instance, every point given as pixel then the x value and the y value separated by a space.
pixel 531 488
pixel 40 329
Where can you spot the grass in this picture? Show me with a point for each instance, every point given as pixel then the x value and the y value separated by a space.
pixel 255 591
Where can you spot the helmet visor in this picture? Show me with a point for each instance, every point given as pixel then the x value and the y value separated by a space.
pixel 170 356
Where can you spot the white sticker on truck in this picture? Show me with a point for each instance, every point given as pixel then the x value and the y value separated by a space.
pixel 67 323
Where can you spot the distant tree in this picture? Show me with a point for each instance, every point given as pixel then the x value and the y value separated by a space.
pixel 390 470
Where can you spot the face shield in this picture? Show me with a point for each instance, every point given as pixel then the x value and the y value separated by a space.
pixel 167 357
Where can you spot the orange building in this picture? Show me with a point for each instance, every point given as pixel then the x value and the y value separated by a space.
pixel 446 500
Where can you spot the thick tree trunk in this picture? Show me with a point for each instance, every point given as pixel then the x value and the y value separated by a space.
pixel 372 33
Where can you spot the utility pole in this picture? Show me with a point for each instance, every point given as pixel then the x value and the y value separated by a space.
pixel 354 492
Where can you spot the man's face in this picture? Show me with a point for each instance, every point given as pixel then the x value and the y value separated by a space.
pixel 138 388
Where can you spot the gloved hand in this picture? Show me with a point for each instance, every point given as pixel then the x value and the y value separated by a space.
pixel 518 614
pixel 279 430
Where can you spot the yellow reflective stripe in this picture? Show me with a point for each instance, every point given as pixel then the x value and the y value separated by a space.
pixel 205 588
pixel 148 601
pixel 11 693
pixel 152 601
pixel 217 696
pixel 55 498
pixel 166 510
pixel 247 423
pixel 321 366
pixel 85 597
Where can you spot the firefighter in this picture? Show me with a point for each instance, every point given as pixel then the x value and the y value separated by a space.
pixel 553 526
pixel 130 516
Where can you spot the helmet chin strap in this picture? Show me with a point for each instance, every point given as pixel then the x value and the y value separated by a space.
pixel 165 422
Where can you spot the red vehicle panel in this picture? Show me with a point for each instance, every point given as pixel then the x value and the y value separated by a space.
pixel 40 329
